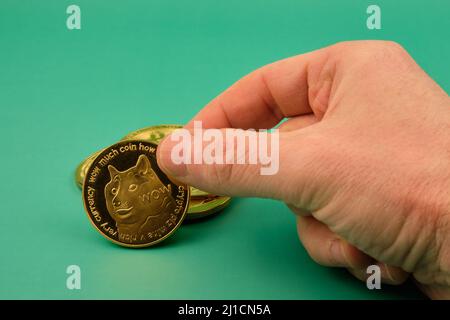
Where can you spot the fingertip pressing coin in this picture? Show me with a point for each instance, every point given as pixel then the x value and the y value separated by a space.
pixel 130 200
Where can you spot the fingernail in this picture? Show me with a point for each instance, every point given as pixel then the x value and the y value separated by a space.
pixel 337 254
pixel 388 274
pixel 165 161
pixel 392 275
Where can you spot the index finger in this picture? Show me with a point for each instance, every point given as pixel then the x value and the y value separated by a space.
pixel 261 99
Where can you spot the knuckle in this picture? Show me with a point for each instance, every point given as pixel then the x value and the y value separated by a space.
pixel 309 167
pixel 221 173
pixel 321 154
pixel 387 44
pixel 390 49
pixel 371 54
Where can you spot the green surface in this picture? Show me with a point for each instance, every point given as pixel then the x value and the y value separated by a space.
pixel 65 94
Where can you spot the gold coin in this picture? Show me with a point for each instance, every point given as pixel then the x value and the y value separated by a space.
pixel 203 207
pixel 129 200
pixel 197 193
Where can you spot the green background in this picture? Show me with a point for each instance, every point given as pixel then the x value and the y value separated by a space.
pixel 65 94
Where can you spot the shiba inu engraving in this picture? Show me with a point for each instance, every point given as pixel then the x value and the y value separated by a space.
pixel 128 198
pixel 136 198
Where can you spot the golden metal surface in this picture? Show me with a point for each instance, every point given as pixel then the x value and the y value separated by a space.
pixel 129 199
pixel 204 207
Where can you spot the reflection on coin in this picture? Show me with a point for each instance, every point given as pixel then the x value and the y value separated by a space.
pixel 153 134
pixel 129 199
pixel 203 207
pixel 197 193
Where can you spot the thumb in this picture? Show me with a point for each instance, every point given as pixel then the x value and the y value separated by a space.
pixel 230 162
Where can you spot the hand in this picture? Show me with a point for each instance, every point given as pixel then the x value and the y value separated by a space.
pixel 364 157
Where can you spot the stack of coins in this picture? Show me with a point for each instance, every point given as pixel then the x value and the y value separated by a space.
pixel 130 200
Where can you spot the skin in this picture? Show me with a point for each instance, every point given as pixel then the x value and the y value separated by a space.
pixel 364 158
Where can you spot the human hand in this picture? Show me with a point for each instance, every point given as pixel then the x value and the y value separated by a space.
pixel 364 157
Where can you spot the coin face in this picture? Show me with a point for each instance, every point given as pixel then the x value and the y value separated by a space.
pixel 129 199
pixel 206 206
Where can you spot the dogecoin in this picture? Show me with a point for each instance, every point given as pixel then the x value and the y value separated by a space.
pixel 129 199
pixel 203 207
